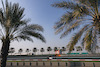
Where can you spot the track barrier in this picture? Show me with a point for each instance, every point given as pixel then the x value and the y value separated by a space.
pixel 53 64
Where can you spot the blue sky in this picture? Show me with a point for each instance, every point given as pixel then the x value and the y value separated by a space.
pixel 41 12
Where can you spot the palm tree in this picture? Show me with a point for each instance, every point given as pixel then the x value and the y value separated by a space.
pixel 55 48
pixel 27 50
pixel 11 50
pixel 42 50
pixel 78 48
pixel 63 49
pixel 83 15
pixel 20 51
pixel 15 27
pixel 49 49
pixel 35 50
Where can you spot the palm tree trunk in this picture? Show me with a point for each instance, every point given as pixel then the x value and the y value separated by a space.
pixel 49 52
pixel 42 53
pixel 4 51
pixel 35 53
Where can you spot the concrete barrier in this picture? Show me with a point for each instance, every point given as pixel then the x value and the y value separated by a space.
pixel 47 64
pixel 97 64
pixel 75 64
pixel 27 63
pixel 14 64
pixel 40 64
pixel 89 64
pixel 55 64
pixel 21 64
pixel 63 64
pixel 33 64
pixel 79 64
pixel 8 63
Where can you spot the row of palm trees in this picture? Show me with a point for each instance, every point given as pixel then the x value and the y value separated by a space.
pixel 49 49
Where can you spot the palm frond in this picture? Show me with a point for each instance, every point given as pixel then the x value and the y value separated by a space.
pixel 90 39
pixel 22 37
pixel 75 39
pixel 34 34
pixel 76 10
pixel 74 26
pixel 33 27
pixel 14 14
pixel 69 19
pixel 15 26
pixel 93 5
pixel 27 27
pixel 3 5
pixel 65 19
pixel 2 18
pixel 64 4
pixel 31 31
pixel 80 9
pixel 64 22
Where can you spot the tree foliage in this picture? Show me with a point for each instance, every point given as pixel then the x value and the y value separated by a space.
pixel 55 48
pixel 20 50
pixel 49 49
pixel 13 26
pixel 83 14
pixel 35 49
